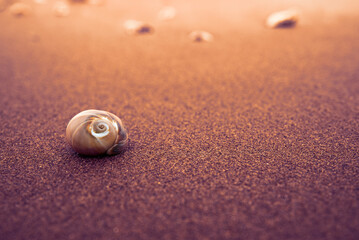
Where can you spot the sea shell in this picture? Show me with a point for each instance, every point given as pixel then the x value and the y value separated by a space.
pixel 283 19
pixel 200 36
pixel 96 132
pixel 167 13
pixel 61 9
pixel 133 27
pixel 20 9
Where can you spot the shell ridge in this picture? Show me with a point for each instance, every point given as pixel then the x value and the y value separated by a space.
pixel 76 130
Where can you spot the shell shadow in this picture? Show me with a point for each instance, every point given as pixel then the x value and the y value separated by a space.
pixel 287 24
pixel 102 159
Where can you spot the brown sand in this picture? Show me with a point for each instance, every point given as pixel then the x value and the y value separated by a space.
pixel 252 136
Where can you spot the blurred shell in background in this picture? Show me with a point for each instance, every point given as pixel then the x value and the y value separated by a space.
pixel 283 19
pixel 201 36
pixel 137 27
pixel 20 9
pixel 167 13
pixel 61 9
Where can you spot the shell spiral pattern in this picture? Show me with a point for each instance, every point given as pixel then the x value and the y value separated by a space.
pixel 96 132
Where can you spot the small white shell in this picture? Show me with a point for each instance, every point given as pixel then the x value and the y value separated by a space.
pixel 20 9
pixel 61 9
pixel 137 27
pixel 95 132
pixel 200 36
pixel 167 13
pixel 282 19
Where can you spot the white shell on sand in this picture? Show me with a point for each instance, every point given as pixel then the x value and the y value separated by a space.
pixel 167 13
pixel 201 36
pixel 95 132
pixel 20 9
pixel 137 27
pixel 283 19
pixel 61 9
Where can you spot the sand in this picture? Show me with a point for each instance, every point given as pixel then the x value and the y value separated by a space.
pixel 254 135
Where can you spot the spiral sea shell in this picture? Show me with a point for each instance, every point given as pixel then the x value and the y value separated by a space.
pixel 95 132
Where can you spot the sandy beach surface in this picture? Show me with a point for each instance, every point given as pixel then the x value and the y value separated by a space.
pixel 254 135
